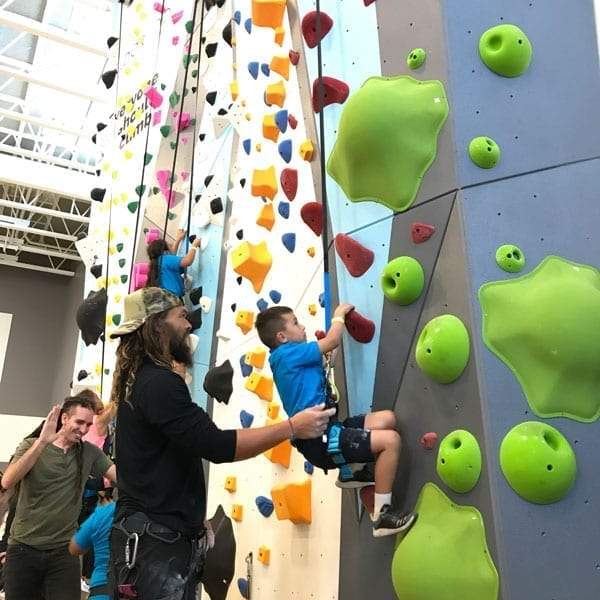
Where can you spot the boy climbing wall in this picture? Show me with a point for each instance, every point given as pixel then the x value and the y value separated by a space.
pixel 301 381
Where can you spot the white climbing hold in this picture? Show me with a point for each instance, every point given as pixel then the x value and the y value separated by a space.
pixel 205 304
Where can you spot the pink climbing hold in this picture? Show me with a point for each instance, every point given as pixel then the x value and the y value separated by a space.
pixel 334 92
pixel 156 116
pixel 294 57
pixel 159 7
pixel 355 256
pixel 176 17
pixel 183 123
pixel 309 27
pixel 292 121
pixel 153 234
pixel 359 327
pixel 312 215
pixel 367 497
pixel 175 40
pixel 184 175
pixel 184 140
pixel 289 183
pixel 139 276
pixel 421 232
pixel 164 178
pixel 429 440
pixel 154 97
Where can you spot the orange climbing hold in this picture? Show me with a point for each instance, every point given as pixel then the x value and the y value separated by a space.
pixel 261 385
pixel 281 66
pixel 268 13
pixel 312 309
pixel 256 358
pixel 264 183
pixel 264 555
pixel 311 251
pixel 234 88
pixel 266 216
pixel 270 129
pixel 307 150
pixel 244 319
pixel 231 483
pixel 279 36
pixel 252 262
pixel 275 94
pixel 282 453
pixel 273 410
pixel 237 512
pixel 293 501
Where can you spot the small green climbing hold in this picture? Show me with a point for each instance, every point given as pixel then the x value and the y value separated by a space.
pixel 195 73
pixel 459 461
pixel 120 247
pixel 171 216
pixel 402 280
pixel 506 50
pixel 132 206
pixel 174 99
pixel 484 152
pixel 195 58
pixel 538 462
pixel 165 130
pixel 443 348
pixel 116 319
pixel 444 556
pixel 163 86
pixel 416 58
pixel 189 26
pixel 186 61
pixel 510 258
pixel 147 158
pixel 124 278
pixel 139 190
pixel 173 145
pixel 155 190
pixel 122 262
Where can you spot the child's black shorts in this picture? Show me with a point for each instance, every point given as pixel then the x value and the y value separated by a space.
pixel 355 443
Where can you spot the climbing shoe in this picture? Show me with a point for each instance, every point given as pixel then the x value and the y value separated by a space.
pixel 390 523
pixel 359 479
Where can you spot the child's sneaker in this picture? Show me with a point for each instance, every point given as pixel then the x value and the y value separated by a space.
pixel 389 522
pixel 359 479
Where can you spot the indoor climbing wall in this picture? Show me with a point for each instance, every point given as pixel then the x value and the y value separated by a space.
pixel 272 256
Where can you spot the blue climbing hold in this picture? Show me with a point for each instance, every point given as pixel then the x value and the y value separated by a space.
pixel 244 587
pixel 253 69
pixel 264 505
pixel 289 241
pixel 247 144
pixel 275 296
pixel 237 17
pixel 248 25
pixel 285 150
pixel 246 369
pixel 265 69
pixel 284 209
pixel 308 467
pixel 281 120
pixel 246 418
pixel 262 304
pixel 322 300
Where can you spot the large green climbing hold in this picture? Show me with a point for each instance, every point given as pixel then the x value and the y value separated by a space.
pixel 174 99
pixel 416 58
pixel 484 152
pixel 444 556
pixel 544 326
pixel 506 50
pixel 538 462
pixel 443 348
pixel 402 280
pixel 510 258
pixel 165 130
pixel 388 139
pixel 459 461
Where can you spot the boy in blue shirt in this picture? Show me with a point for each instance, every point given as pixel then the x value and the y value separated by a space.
pixel 95 532
pixel 297 367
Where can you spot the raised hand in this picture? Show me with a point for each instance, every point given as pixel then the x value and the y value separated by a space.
pixel 48 433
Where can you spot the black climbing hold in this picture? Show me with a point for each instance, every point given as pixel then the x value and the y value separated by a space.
pixel 222 112
pixel 216 206
pixel 218 382
pixel 100 127
pixel 82 374
pixel 97 194
pixel 202 136
pixel 239 280
pixel 195 319
pixel 211 49
pixel 211 98
pixel 207 180
pixel 233 307
pixel 108 78
pixel 243 181
pixel 111 41
pixel 195 295
pixel 192 238
pixel 227 34
pixel 91 315
pixel 96 270
pixel 239 234
pixel 94 138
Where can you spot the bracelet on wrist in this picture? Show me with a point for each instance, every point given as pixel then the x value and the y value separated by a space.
pixel 291 428
pixel 338 320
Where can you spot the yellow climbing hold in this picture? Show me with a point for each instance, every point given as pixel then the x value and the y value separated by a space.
pixel 307 150
pixel 261 385
pixel 128 154
pixel 281 66
pixel 293 501
pixel 264 555
pixel 264 183
pixel 279 36
pixel 275 94
pixel 256 358
pixel 268 13
pixel 237 512
pixel 266 216
pixel 312 309
pixel 230 483
pixel 270 129
pixel 311 251
pixel 234 88
pixel 273 410
pixel 252 262
pixel 244 319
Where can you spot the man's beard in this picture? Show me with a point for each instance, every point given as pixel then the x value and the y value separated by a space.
pixel 179 348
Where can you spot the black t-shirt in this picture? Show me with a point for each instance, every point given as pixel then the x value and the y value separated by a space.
pixel 161 439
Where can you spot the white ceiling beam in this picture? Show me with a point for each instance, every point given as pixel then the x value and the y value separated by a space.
pixel 47 178
pixel 42 232
pixel 47 158
pixel 48 252
pixel 50 84
pixel 48 124
pixel 21 265
pixel 19 23
pixel 42 210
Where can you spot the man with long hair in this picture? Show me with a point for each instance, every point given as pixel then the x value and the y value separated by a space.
pixel 158 538
pixel 51 470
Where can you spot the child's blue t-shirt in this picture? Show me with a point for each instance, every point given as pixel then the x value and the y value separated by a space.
pixel 169 272
pixel 299 375
pixel 95 531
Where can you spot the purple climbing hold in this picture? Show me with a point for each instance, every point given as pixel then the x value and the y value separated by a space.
pixel 284 209
pixel 275 296
pixel 264 505
pixel 265 69
pixel 281 120
pixel 246 369
pixel 246 418
pixel 253 69
pixel 248 25
pixel 247 144
pixel 289 241
pixel 285 150
pixel 262 304
pixel 308 467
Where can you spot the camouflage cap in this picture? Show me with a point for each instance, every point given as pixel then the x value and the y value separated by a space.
pixel 139 305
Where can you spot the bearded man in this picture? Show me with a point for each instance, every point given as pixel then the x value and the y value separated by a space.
pixel 158 539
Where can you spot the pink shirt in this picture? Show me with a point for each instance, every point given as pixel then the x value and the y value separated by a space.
pixel 93 437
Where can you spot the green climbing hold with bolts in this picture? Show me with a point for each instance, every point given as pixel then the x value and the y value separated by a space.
pixel 484 152
pixel 459 461
pixel 538 462
pixel 505 50
pixel 402 280
pixel 510 258
pixel 416 58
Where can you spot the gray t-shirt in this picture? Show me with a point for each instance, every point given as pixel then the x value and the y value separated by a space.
pixel 50 494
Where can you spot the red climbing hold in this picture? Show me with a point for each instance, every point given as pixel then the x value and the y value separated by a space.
pixel 359 327
pixel 429 440
pixel 320 334
pixel 421 232
pixel 289 183
pixel 292 121
pixel 367 497
pixel 334 91
pixel 368 2
pixel 355 256
pixel 294 57
pixel 309 27
pixel 312 215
